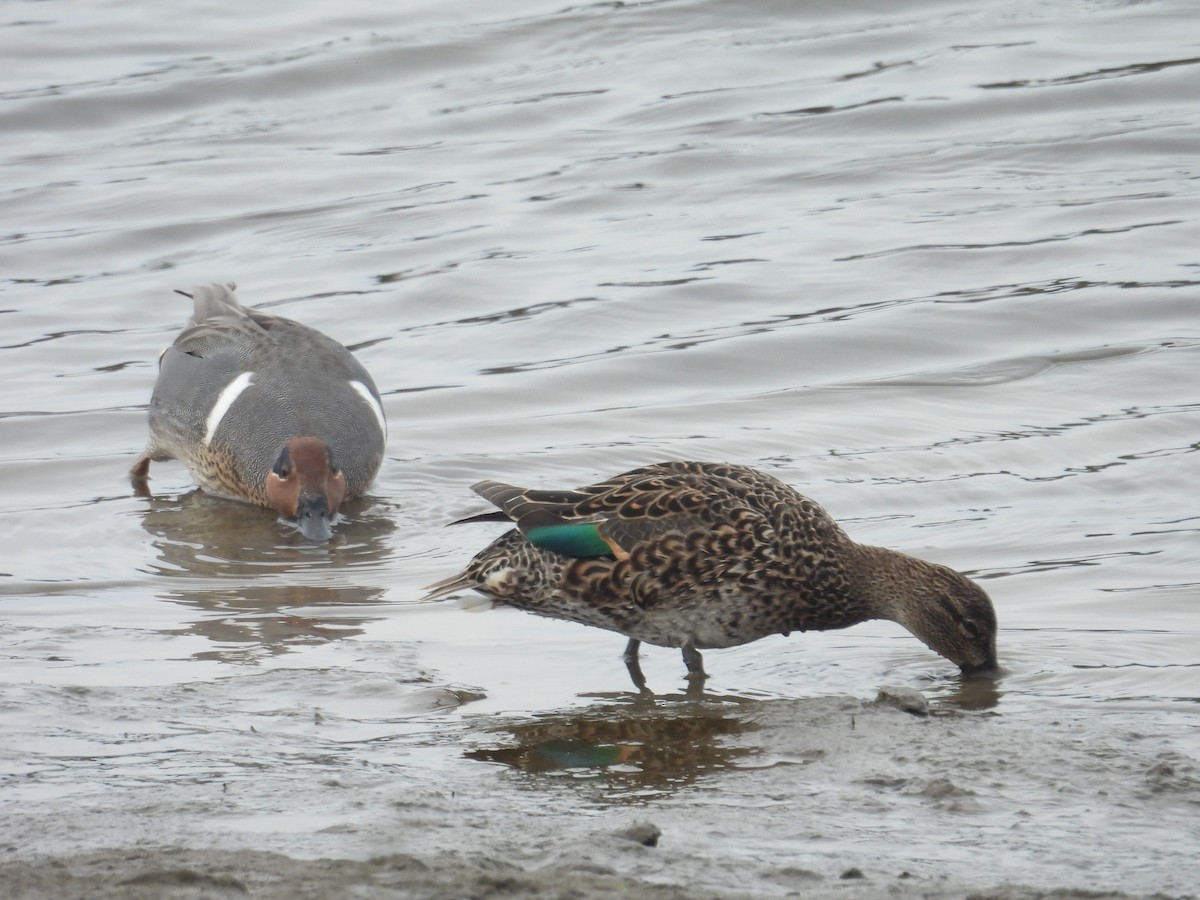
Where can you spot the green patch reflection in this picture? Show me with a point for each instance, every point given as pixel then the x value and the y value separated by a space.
pixel 643 746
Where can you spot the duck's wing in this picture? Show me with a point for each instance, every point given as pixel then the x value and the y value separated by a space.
pixel 205 368
pixel 222 329
pixel 615 516
pixel 548 518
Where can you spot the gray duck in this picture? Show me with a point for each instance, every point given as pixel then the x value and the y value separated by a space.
pixel 265 410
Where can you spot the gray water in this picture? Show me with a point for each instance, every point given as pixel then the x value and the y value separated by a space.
pixel 934 263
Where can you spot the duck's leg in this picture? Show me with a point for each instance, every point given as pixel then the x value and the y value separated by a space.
pixel 153 453
pixel 632 664
pixel 139 476
pixel 141 468
pixel 694 662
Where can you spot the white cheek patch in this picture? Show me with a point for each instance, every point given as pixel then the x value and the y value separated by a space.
pixel 225 399
pixel 371 402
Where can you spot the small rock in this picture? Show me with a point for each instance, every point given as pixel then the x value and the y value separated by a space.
pixel 796 874
pixel 942 789
pixel 644 833
pixel 905 698
pixel 852 872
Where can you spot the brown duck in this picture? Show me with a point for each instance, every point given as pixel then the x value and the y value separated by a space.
pixel 698 555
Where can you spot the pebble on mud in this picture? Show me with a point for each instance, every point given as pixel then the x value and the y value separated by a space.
pixel 852 872
pixel 907 699
pixel 644 833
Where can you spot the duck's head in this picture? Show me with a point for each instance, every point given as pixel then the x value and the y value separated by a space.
pixel 953 617
pixel 306 487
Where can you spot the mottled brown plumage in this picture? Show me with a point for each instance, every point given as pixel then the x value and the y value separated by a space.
pixel 699 555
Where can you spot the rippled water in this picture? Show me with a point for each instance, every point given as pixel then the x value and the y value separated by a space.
pixel 936 264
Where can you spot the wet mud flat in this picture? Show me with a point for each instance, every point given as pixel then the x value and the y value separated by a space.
pixel 720 796
pixel 187 873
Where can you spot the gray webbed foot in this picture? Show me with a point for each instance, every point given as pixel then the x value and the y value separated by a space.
pixel 634 666
pixel 694 662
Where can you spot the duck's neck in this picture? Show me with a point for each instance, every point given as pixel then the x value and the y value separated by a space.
pixel 890 584
pixel 944 609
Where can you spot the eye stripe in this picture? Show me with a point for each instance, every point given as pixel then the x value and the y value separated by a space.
pixel 371 402
pixel 951 610
pixel 225 399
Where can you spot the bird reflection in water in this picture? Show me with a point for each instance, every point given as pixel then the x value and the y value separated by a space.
pixel 256 622
pixel 246 577
pixel 196 534
pixel 638 747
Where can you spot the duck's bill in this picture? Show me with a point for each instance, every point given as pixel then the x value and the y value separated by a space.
pixel 314 519
pixel 989 669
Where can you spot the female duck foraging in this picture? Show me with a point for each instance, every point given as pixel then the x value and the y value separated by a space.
pixel 704 555
pixel 265 410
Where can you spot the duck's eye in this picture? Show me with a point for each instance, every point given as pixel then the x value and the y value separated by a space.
pixel 970 628
pixel 282 466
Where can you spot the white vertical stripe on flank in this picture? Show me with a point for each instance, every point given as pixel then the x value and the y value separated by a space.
pixel 225 399
pixel 371 402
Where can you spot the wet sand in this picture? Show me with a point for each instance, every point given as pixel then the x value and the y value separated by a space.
pixel 189 873
pixel 715 797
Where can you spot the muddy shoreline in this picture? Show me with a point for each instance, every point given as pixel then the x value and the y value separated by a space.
pixel 171 872
pixel 717 797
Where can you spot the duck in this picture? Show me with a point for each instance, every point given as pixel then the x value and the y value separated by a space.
pixel 700 555
pixel 267 411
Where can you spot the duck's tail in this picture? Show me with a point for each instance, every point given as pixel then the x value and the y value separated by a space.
pixel 447 586
pixel 212 301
